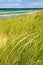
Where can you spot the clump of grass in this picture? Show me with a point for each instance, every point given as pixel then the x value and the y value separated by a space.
pixel 24 44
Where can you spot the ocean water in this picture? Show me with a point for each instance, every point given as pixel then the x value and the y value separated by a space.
pixel 17 11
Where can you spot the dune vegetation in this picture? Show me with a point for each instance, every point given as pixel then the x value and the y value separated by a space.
pixel 21 40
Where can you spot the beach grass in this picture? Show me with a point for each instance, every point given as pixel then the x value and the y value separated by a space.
pixel 21 40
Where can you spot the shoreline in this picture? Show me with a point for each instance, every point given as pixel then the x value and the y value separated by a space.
pixel 4 17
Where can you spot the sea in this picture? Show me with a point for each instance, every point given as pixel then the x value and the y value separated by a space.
pixel 17 11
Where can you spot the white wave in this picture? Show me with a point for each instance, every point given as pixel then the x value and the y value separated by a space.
pixel 7 15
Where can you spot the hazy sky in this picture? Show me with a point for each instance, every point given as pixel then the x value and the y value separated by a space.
pixel 21 3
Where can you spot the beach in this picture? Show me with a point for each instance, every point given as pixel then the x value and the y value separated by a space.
pixel 13 14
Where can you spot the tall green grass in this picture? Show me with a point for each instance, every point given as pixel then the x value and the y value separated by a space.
pixel 24 45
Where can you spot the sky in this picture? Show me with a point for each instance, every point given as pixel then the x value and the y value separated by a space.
pixel 21 3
